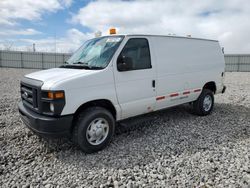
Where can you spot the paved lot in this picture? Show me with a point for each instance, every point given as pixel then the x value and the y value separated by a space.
pixel 167 148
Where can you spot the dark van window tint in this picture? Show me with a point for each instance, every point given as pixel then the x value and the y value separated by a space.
pixel 138 50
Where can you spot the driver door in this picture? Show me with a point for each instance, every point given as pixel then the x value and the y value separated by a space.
pixel 135 86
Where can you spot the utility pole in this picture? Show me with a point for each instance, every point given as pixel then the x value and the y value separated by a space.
pixel 34 47
pixel 55 49
pixel 55 42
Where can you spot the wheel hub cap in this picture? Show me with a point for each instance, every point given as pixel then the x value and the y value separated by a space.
pixel 97 131
pixel 207 103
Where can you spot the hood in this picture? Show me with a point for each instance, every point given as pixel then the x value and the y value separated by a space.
pixel 55 75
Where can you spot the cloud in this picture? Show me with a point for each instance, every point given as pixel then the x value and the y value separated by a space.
pixel 67 3
pixel 13 10
pixel 28 31
pixel 69 43
pixel 225 20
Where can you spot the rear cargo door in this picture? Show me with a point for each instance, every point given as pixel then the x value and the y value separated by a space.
pixel 135 87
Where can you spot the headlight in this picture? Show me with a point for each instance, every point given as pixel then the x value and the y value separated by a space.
pixel 52 102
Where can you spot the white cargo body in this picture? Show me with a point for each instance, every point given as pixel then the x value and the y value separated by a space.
pixel 186 64
pixel 115 77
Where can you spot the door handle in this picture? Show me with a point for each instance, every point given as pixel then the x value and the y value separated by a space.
pixel 153 83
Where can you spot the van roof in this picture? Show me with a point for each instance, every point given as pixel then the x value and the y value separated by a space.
pixel 172 36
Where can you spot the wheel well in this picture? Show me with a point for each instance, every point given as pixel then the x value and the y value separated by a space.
pixel 211 86
pixel 101 103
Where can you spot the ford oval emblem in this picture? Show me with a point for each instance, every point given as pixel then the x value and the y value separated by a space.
pixel 26 94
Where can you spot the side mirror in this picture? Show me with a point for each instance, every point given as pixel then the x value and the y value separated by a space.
pixel 124 63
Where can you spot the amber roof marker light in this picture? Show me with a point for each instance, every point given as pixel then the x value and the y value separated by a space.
pixel 112 31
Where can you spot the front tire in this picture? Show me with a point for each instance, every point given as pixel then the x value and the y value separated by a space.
pixel 94 129
pixel 204 104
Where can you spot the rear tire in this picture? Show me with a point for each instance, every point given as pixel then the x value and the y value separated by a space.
pixel 204 104
pixel 94 129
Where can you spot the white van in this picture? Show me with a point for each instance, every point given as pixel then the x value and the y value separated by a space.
pixel 111 78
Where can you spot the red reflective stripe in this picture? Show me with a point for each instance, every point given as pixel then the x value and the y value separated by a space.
pixel 177 94
pixel 186 92
pixel 174 94
pixel 160 98
pixel 197 90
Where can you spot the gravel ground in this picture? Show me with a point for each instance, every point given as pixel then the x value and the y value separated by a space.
pixel 170 148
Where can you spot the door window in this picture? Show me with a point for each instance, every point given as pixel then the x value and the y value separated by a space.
pixel 138 53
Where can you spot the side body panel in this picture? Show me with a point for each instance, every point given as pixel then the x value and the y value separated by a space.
pixel 183 67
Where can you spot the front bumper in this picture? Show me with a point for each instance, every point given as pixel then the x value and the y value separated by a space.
pixel 44 125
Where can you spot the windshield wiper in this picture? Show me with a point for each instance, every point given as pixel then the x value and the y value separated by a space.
pixel 87 66
pixel 80 63
pixel 80 66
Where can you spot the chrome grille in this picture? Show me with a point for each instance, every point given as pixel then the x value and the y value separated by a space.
pixel 29 95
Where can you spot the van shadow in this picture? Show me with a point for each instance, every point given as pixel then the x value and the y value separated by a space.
pixel 166 133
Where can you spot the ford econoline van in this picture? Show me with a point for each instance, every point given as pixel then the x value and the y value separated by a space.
pixel 115 77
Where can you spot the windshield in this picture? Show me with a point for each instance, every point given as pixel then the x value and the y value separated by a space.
pixel 95 53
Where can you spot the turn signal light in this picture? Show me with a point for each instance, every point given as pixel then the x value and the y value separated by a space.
pixel 56 95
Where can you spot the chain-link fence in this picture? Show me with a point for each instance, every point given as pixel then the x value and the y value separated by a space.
pixel 40 60
pixel 237 62
pixel 34 60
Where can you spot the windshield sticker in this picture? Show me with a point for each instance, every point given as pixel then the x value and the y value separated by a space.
pixel 114 39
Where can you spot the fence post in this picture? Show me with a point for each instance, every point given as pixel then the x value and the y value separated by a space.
pixel 63 59
pixel 238 69
pixel 21 59
pixel 1 58
pixel 42 62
